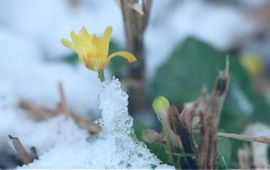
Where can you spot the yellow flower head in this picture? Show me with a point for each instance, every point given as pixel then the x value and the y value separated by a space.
pixel 93 50
pixel 252 63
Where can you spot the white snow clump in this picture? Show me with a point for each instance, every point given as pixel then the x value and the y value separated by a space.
pixel 114 147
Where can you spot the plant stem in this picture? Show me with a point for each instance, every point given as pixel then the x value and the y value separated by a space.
pixel 101 75
pixel 135 24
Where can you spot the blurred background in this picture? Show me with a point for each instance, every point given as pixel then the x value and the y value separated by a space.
pixel 185 45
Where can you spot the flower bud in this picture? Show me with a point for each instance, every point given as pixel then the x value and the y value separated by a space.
pixel 160 104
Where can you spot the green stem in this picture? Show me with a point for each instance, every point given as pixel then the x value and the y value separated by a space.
pixel 101 75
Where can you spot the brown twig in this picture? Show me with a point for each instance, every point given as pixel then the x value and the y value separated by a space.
pixel 260 139
pixel 87 124
pixel 39 112
pixel 211 106
pixel 62 105
pixel 182 129
pixel 21 151
pixel 135 18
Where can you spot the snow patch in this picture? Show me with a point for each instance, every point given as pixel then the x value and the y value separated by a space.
pixel 115 147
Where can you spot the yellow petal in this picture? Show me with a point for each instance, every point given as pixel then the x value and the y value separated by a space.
pixel 107 34
pixel 130 57
pixel 67 43
pixel 78 44
pixel 75 38
pixel 85 37
pixel 84 31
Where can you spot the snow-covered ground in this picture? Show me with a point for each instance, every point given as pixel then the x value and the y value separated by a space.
pixel 30 33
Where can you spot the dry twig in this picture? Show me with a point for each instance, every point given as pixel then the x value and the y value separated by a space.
pixel 182 129
pixel 39 112
pixel 260 139
pixel 210 106
pixel 21 151
pixel 135 17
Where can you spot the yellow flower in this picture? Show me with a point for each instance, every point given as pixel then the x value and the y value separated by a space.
pixel 252 63
pixel 93 50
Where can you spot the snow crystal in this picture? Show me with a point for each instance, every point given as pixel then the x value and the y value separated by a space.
pixel 115 147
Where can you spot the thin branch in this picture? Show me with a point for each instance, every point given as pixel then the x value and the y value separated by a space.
pixel 62 106
pixel 182 129
pixel 39 112
pixel 87 124
pixel 21 151
pixel 260 139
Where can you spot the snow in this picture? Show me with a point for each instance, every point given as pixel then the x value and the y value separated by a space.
pixel 115 147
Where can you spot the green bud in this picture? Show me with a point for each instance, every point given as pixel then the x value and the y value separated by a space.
pixel 160 104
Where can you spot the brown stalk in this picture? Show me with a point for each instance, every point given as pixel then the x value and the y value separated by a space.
pixel 87 124
pixel 39 112
pixel 135 18
pixel 182 129
pixel 62 105
pixel 260 139
pixel 211 106
pixel 21 151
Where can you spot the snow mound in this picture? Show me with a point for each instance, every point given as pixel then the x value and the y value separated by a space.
pixel 115 147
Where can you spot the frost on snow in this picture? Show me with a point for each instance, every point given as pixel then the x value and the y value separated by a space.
pixel 114 147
